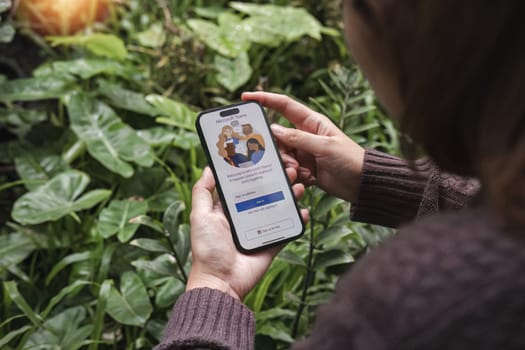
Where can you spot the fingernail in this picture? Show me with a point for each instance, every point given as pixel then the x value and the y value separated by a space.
pixel 277 129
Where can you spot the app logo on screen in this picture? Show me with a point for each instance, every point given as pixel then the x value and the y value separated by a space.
pixel 240 145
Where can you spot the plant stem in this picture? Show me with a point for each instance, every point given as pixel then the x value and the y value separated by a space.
pixel 174 252
pixel 308 278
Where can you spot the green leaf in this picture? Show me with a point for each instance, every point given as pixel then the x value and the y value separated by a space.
pixel 20 121
pixel 290 22
pixel 228 39
pixel 158 136
pixel 68 260
pixel 117 218
pixel 12 335
pixel 131 306
pixel 333 234
pixel 175 113
pixel 68 291
pixel 126 99
pixel 106 45
pixel 98 324
pixel 153 37
pixel 274 313
pixel 151 245
pixel 37 166
pixel 38 88
pixel 332 258
pixel 109 140
pixel 55 199
pixel 257 31
pixel 7 33
pixel 85 68
pixel 14 248
pixel 162 266
pixel 327 203
pixel 13 294
pixel 5 5
pixel 63 331
pixel 233 73
pixel 169 292
pixel 275 332
pixel 291 258
pixel 171 217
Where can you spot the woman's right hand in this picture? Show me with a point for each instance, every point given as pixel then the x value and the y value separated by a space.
pixel 326 156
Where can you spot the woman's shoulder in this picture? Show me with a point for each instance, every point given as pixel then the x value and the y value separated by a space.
pixel 445 269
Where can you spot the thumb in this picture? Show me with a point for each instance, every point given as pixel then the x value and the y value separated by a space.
pixel 298 139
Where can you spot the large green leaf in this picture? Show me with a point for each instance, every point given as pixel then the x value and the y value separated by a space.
pixel 63 331
pixel 38 88
pixel 57 198
pixel 115 219
pixel 175 113
pixel 153 37
pixel 108 139
pixel 14 248
pixel 131 305
pixel 227 38
pixel 106 45
pixel 288 22
pixel 126 99
pixel 82 67
pixel 233 73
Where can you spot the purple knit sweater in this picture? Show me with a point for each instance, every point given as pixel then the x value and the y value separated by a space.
pixel 451 279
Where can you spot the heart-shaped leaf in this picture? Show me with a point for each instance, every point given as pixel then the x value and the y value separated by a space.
pixel 57 198
pixel 131 306
pixel 108 139
pixel 82 67
pixel 233 73
pixel 175 113
pixel 115 219
pixel 227 38
pixel 38 88
pixel 106 45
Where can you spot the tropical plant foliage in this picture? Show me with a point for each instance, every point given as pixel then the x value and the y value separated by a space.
pixel 98 154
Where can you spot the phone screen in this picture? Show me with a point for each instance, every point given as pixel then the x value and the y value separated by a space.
pixel 256 195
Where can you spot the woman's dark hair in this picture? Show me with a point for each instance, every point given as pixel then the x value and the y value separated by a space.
pixel 460 66
pixel 253 141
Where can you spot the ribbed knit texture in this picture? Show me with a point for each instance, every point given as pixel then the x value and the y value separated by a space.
pixel 207 318
pixel 391 193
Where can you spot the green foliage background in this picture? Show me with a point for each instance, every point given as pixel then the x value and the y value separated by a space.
pixel 98 155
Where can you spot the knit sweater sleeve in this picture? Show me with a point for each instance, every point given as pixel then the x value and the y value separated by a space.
pixel 205 318
pixel 393 193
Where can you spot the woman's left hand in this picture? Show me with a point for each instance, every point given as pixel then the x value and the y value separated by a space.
pixel 217 263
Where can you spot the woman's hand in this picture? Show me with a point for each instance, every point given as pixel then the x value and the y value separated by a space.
pixel 217 264
pixel 326 156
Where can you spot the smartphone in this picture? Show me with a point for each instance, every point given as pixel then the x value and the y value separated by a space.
pixel 251 181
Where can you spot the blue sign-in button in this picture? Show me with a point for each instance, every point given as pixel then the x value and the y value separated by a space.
pixel 259 201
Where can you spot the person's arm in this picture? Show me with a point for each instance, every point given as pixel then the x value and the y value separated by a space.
pixel 205 318
pixel 392 192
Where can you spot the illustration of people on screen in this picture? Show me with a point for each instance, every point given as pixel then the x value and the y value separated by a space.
pixel 227 135
pixel 243 149
pixel 232 157
pixel 248 133
pixel 255 150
